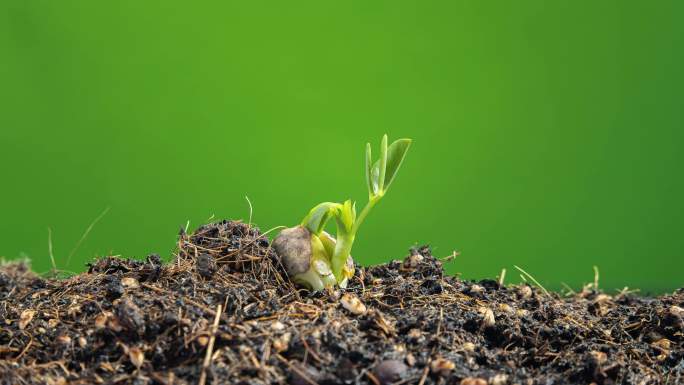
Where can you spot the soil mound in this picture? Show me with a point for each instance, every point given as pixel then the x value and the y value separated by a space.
pixel 223 311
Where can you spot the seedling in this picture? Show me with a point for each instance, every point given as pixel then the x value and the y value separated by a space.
pixel 315 258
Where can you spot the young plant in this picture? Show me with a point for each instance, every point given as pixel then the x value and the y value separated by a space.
pixel 318 260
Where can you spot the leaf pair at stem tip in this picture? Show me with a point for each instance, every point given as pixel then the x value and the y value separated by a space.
pixel 379 175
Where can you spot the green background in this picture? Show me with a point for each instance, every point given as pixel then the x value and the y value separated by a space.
pixel 547 134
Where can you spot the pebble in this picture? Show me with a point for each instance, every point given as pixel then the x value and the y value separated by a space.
pixel 499 379
pixel 136 356
pixel 353 304
pixel 442 366
pixel 278 326
pixel 130 283
pixel 488 319
pixel 390 371
pixel 282 343
pixel 525 292
pixel 473 381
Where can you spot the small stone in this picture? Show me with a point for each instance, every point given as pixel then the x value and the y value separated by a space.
pixel 100 320
pixel 506 308
pixel 414 334
pixel 389 371
pixel 130 283
pixel 469 346
pixel 499 379
pixel 473 381
pixel 136 356
pixel 55 381
pixel 476 289
pixel 130 316
pixel 112 286
pixel 25 318
pixel 410 359
pixel 82 342
pixel 413 260
pixel 206 265
pixel 282 343
pixel 488 319
pixel 278 326
pixel 73 310
pixel 598 357
pixel 524 292
pixel 353 304
pixel 442 367
pixel 63 339
pixel 677 311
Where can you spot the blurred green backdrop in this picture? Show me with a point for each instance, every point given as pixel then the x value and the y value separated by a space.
pixel 547 134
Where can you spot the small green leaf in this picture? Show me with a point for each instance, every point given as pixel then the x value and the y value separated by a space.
pixel 382 168
pixel 369 170
pixel 346 216
pixel 318 216
pixel 395 156
pixel 375 177
pixel 353 210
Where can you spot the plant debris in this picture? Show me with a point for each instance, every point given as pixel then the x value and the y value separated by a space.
pixel 224 311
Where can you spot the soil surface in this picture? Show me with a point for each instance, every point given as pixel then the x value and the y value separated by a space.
pixel 224 312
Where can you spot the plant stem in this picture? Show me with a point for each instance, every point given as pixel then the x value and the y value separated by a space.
pixel 345 240
pixel 343 248
pixel 359 219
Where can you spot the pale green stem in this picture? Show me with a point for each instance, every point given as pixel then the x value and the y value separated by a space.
pixel 345 240
pixel 342 250
pixel 364 213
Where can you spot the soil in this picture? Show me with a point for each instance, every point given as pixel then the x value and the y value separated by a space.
pixel 224 312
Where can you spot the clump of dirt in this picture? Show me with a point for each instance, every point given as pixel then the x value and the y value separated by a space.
pixel 224 311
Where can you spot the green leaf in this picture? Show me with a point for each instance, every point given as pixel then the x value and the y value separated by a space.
pixel 395 156
pixel 382 168
pixel 375 177
pixel 345 217
pixel 353 210
pixel 369 170
pixel 318 216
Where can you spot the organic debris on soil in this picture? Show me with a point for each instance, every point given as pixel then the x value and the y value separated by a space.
pixel 223 311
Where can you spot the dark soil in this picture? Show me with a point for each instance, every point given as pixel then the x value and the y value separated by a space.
pixel 404 322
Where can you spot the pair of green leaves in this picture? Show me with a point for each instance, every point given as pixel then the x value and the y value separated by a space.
pixel 318 217
pixel 381 173
pixel 379 176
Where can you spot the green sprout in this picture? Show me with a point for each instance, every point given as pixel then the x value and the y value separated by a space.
pixel 314 258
